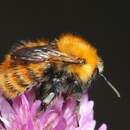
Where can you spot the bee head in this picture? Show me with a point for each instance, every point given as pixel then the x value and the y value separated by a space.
pixel 80 48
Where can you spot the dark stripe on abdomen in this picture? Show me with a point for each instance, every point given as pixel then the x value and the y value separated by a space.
pixel 32 74
pixel 20 80
pixel 10 87
pixel 19 77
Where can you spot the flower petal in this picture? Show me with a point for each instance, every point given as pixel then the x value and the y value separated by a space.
pixel 35 106
pixel 70 112
pixel 61 114
pixel 103 127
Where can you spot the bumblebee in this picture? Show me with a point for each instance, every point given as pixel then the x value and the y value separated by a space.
pixel 65 67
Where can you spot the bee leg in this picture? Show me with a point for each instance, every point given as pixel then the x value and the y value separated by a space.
pixel 47 100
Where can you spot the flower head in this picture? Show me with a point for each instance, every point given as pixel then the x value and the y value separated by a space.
pixel 25 113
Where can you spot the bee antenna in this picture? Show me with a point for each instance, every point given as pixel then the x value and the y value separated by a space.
pixel 110 84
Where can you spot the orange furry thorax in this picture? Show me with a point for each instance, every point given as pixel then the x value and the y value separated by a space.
pixel 78 47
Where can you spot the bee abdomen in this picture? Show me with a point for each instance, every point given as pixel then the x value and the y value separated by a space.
pixel 36 71
pixel 12 85
pixel 32 74
pixel 20 80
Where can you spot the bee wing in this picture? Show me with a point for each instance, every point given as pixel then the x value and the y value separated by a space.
pixel 44 53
